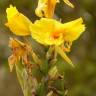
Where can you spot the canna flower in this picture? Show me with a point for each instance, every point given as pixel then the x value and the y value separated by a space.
pixel 46 7
pixel 51 32
pixel 17 22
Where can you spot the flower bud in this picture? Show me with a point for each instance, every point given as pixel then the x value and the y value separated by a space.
pixel 53 72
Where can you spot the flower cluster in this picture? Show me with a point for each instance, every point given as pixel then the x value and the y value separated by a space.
pixel 46 31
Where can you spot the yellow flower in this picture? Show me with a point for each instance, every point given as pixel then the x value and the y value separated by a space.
pixel 46 7
pixel 51 32
pixel 17 22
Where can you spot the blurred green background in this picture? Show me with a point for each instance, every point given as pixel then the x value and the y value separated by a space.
pixel 82 80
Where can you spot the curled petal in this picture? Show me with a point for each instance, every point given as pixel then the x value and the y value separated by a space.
pixel 46 8
pixel 64 56
pixel 40 8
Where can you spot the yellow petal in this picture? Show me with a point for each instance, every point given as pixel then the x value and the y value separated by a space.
pixel 42 31
pixel 50 8
pixel 64 56
pixel 11 11
pixel 40 8
pixel 72 30
pixel 69 3
pixel 17 22
pixel 46 8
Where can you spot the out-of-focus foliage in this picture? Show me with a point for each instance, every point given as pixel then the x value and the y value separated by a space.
pixel 80 81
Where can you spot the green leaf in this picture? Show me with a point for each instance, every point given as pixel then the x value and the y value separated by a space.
pixel 42 88
pixel 23 79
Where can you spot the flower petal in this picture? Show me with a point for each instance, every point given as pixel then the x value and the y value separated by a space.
pixel 73 29
pixel 46 8
pixel 17 22
pixel 63 55
pixel 11 11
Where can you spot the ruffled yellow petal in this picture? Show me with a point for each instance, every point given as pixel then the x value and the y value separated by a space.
pixel 69 3
pixel 51 32
pixel 17 22
pixel 43 31
pixel 46 8
pixel 72 30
